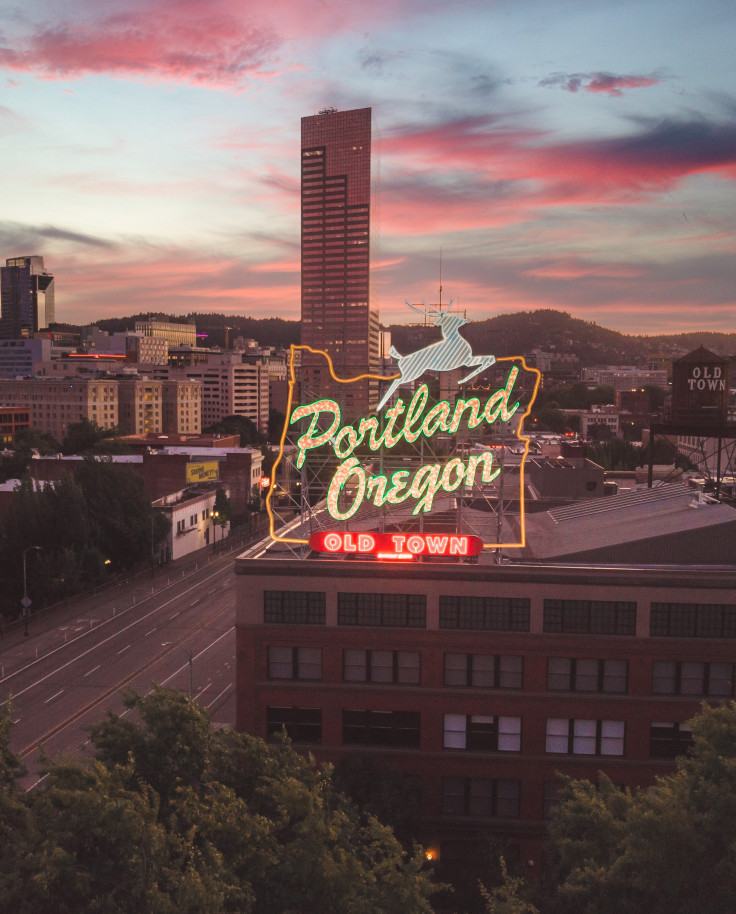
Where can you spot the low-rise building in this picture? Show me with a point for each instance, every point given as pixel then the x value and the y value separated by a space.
pixel 191 512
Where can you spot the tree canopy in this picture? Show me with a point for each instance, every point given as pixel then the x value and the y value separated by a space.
pixel 107 522
pixel 173 815
pixel 669 849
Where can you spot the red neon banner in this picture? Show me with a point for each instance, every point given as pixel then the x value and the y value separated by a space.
pixel 394 545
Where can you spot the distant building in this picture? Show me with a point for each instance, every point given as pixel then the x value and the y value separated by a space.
pixel 230 387
pixel 175 334
pixel 55 404
pixel 26 297
pixel 622 377
pixel 18 357
pixel 175 468
pixel 12 420
pixel 140 408
pixel 181 405
pixel 336 313
pixel 607 416
pixel 193 525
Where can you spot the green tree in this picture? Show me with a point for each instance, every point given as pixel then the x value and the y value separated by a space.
pixel 87 438
pixel 265 820
pixel 507 898
pixel 669 849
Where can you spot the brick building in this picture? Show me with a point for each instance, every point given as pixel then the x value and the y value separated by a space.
pixel 485 680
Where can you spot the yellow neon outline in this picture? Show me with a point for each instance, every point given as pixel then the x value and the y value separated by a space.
pixel 378 377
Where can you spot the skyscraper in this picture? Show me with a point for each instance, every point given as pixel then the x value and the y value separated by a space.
pixel 336 229
pixel 26 297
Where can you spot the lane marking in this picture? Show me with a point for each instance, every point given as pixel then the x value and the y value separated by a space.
pixel 94 646
pixel 54 696
pixel 93 670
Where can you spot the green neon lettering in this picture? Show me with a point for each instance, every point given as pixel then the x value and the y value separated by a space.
pixel 453 466
pixel 388 437
pixel 488 474
pixel 379 483
pixel 369 425
pixel 398 482
pixel 416 408
pixel 425 486
pixel 501 401
pixel 437 415
pixel 309 440
pixel 347 431
pixel 351 467
pixel 460 406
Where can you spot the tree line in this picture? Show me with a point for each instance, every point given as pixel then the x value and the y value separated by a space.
pixel 88 526
pixel 171 814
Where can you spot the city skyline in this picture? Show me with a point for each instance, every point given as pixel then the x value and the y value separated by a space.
pixel 576 157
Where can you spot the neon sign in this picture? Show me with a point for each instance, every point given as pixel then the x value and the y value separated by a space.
pixel 353 452
pixel 395 545
pixel 429 479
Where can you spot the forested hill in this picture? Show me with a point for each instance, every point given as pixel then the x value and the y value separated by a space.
pixel 557 331
pixel 505 334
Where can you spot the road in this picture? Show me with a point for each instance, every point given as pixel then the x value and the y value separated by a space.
pixel 175 630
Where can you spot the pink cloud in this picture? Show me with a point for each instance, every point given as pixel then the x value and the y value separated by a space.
pixel 505 170
pixel 602 83
pixel 204 47
pixel 218 44
pixel 614 85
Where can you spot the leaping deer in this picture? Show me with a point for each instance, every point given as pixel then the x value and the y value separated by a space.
pixel 450 352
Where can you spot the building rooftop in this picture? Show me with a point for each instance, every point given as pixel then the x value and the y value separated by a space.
pixel 665 524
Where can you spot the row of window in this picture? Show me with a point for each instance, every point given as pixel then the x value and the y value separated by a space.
pixel 477 732
pixel 499 671
pixel 594 617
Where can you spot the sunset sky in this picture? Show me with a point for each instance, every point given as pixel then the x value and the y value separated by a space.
pixel 568 154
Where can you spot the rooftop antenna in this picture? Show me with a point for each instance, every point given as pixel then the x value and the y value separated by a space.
pixel 440 277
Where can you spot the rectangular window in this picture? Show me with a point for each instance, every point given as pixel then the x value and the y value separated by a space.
pixel 682 677
pixel 500 614
pixel 574 674
pixel 381 728
pixel 481 798
pixel 400 610
pixel 295 607
pixel 693 620
pixel 489 671
pixel 669 740
pixel 302 725
pixel 482 732
pixel 397 667
pixel 294 663
pixel 590 617
pixel 585 737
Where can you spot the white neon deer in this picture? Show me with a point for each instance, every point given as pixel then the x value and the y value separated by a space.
pixel 450 352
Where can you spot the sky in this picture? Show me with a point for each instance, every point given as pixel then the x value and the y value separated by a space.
pixel 570 154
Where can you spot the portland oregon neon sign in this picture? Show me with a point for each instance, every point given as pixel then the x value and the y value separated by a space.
pixel 354 451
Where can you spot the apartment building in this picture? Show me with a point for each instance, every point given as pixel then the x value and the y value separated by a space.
pixel 56 403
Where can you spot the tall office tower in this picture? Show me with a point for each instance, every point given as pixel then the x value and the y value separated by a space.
pixel 336 226
pixel 26 297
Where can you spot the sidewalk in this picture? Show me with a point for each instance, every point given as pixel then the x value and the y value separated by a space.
pixel 85 608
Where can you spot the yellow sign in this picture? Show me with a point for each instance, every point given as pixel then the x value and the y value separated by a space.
pixel 203 472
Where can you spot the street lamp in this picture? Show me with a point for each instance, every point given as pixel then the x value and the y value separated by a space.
pixel 25 602
pixel 215 516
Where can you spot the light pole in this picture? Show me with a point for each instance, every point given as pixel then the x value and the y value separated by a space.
pixel 25 602
pixel 215 516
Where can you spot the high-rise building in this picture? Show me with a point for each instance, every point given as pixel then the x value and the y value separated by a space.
pixel 336 310
pixel 26 297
